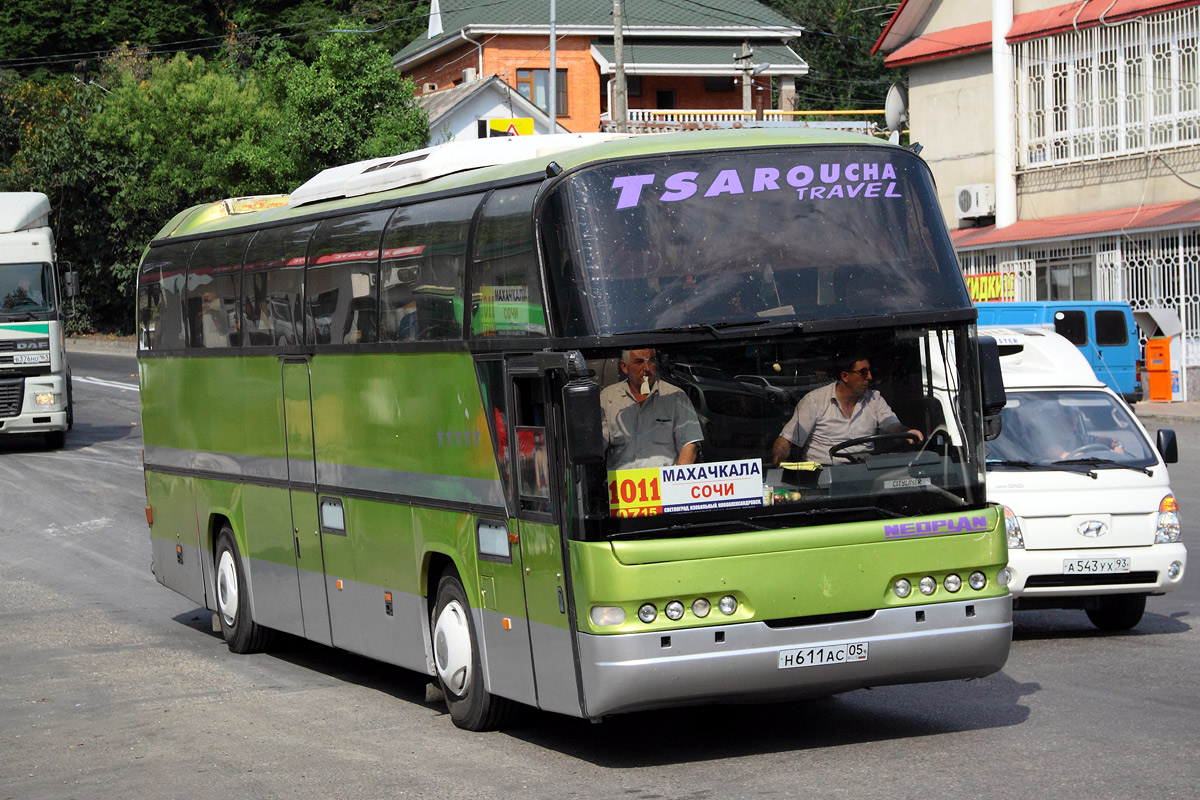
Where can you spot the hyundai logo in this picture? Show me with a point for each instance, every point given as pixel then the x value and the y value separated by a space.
pixel 1092 528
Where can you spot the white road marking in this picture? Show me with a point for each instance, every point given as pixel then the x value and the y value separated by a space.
pixel 133 387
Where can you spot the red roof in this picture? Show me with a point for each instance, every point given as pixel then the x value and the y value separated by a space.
pixel 943 44
pixel 1094 223
pixel 1029 25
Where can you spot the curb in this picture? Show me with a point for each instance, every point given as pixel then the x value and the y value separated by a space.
pixel 103 346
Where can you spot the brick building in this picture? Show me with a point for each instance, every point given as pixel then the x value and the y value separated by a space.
pixel 677 56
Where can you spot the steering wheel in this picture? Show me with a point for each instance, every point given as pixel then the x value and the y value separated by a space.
pixel 876 437
pixel 1091 447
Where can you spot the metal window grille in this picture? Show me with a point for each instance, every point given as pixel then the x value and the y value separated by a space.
pixel 1109 90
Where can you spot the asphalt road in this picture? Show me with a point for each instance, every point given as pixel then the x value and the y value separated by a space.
pixel 112 686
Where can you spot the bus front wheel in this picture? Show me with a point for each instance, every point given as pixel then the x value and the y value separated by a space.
pixel 241 632
pixel 456 657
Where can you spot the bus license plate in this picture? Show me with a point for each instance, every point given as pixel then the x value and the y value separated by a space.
pixel 31 358
pixel 1094 566
pixel 820 656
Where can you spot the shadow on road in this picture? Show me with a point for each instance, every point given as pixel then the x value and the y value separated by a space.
pixel 699 733
pixel 1071 624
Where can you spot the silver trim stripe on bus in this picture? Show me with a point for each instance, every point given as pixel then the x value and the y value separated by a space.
pixel 421 485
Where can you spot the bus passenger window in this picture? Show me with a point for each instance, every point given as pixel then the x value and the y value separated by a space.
pixel 160 298
pixel 213 292
pixel 506 283
pixel 343 269
pixel 272 285
pixel 424 250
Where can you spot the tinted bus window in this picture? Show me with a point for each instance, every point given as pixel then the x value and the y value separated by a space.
pixel 424 255
pixel 505 283
pixel 1111 328
pixel 214 292
pixel 1072 325
pixel 343 274
pixel 274 284
pixel 160 297
pixel 634 247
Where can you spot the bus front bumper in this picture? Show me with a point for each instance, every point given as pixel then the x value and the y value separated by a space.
pixel 743 662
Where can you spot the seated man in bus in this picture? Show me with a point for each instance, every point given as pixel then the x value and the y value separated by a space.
pixel 647 422
pixel 846 409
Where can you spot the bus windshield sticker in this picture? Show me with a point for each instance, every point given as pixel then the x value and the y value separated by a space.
pixel 693 487
pixel 828 181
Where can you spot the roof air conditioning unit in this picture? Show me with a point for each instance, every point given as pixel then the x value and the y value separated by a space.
pixel 975 200
pixel 429 87
pixel 468 75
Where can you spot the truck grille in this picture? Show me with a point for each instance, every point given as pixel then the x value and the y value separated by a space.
pixel 12 392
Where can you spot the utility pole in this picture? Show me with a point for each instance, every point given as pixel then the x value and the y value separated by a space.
pixel 747 79
pixel 552 77
pixel 620 109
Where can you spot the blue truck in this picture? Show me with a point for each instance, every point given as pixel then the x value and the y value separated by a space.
pixel 1104 331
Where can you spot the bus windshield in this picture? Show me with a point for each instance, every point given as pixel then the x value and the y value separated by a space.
pixel 744 394
pixel 839 233
pixel 26 291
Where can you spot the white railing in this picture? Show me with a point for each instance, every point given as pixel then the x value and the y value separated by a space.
pixel 664 119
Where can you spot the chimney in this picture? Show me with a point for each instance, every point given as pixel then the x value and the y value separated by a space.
pixel 435 19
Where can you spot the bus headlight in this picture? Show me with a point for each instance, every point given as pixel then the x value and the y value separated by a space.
pixel 648 613
pixel 902 588
pixel 1012 527
pixel 927 585
pixel 674 610
pixel 701 607
pixel 727 604
pixel 607 615
pixel 952 583
pixel 977 580
pixel 1167 527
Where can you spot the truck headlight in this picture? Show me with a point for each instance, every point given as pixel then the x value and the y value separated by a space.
pixel 1012 527
pixel 1166 529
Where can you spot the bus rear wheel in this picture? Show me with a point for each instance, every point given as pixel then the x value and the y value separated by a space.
pixel 242 633
pixel 1117 612
pixel 456 657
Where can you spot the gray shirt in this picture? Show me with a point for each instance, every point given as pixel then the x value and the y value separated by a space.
pixel 818 423
pixel 647 434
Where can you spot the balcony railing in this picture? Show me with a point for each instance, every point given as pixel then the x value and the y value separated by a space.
pixel 651 120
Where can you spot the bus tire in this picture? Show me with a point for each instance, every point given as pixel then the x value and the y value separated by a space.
pixel 457 663
pixel 1117 612
pixel 242 634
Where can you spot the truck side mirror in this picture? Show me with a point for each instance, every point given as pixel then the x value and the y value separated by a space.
pixel 992 386
pixel 1168 448
pixel 70 282
pixel 584 423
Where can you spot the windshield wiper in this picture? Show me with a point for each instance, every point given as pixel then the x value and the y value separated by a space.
pixel 1108 462
pixel 19 316
pixel 1031 465
pixel 722 329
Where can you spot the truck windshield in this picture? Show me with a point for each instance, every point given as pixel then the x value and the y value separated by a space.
pixel 839 233
pixel 1041 429
pixel 26 291
pixel 743 394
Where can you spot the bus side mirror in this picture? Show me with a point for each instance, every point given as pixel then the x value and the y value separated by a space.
pixel 584 424
pixel 992 387
pixel 1168 448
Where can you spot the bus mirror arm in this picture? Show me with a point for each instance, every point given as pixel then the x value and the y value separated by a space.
pixel 992 386
pixel 585 432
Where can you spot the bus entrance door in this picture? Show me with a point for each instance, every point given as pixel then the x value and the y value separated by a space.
pixel 302 480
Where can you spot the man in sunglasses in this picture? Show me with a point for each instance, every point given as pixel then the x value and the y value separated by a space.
pixel 647 422
pixel 846 409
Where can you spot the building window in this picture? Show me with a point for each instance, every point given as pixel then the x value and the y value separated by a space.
pixel 532 84
pixel 1109 90
pixel 718 83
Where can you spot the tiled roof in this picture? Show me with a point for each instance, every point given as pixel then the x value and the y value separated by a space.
pixel 950 42
pixel 1096 223
pixel 683 16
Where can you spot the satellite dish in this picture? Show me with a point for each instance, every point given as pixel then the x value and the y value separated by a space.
pixel 895 108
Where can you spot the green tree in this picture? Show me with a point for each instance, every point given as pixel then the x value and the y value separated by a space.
pixel 348 105
pixel 837 45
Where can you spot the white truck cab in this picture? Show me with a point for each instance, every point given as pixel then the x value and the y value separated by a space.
pixel 1092 522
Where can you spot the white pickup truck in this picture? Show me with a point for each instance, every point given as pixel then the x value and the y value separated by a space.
pixel 1092 522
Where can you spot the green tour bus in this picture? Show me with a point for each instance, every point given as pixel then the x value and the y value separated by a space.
pixel 372 417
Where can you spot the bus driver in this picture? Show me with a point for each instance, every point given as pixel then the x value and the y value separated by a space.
pixel 647 422
pixel 846 409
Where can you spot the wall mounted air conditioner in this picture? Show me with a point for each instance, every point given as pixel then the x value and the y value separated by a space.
pixel 468 75
pixel 975 200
